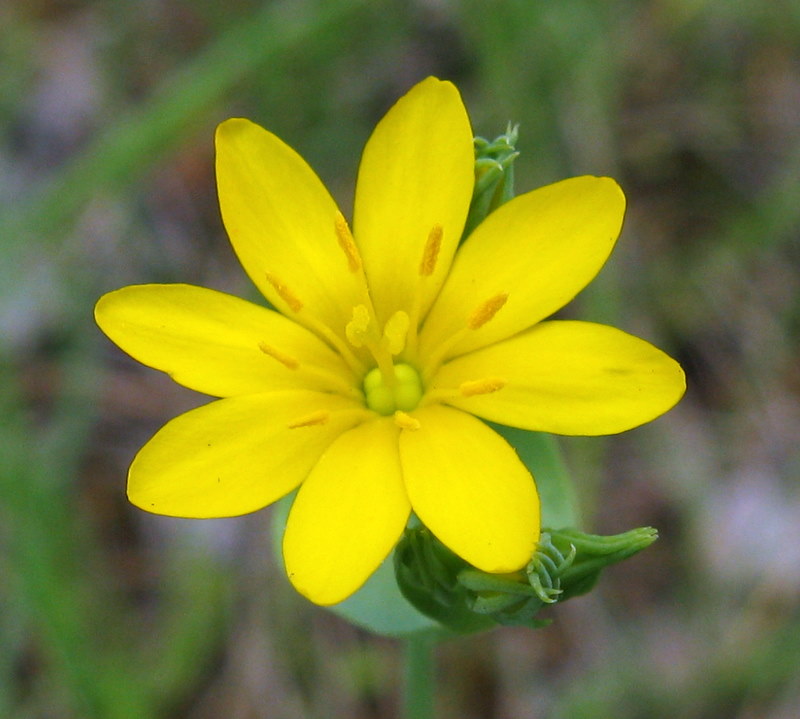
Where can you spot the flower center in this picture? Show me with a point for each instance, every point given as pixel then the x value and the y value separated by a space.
pixel 403 392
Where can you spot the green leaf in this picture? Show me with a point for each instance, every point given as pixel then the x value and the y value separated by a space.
pixel 542 456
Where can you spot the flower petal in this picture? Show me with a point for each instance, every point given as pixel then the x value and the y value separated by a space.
pixel 282 224
pixel 216 343
pixel 468 486
pixel 237 455
pixel 575 378
pixel 416 173
pixel 540 250
pixel 348 514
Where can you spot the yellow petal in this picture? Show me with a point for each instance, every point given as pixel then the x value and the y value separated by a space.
pixel 282 224
pixel 416 173
pixel 216 343
pixel 348 514
pixel 468 486
pixel 539 250
pixel 236 455
pixel 574 378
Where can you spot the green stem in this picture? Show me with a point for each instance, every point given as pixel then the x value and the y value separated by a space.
pixel 418 679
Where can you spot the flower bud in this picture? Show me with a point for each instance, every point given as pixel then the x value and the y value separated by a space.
pixel 464 599
pixel 494 176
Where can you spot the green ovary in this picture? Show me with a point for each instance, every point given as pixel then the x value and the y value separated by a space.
pixel 404 394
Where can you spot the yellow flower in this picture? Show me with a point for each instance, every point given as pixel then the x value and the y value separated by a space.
pixel 365 387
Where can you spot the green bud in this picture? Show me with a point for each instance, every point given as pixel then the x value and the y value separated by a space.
pixel 566 563
pixel 494 176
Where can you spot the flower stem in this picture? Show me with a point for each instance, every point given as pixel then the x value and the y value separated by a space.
pixel 418 679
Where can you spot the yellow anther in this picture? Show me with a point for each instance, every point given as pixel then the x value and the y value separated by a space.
pixel 483 313
pixel 347 243
pixel 284 359
pixel 285 293
pixel 395 332
pixel 358 328
pixel 310 420
pixel 431 252
pixel 406 421
pixel 481 386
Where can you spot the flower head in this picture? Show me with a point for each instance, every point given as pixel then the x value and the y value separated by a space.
pixel 366 385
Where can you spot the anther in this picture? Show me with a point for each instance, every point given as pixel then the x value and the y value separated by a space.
pixel 310 420
pixel 481 386
pixel 431 252
pixel 284 359
pixel 406 421
pixel 485 312
pixel 347 243
pixel 285 293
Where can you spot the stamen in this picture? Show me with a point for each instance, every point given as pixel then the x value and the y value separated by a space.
pixel 316 325
pixel 295 305
pixel 347 243
pixel 482 314
pixel 431 252
pixel 406 421
pixel 485 312
pixel 357 329
pixel 427 266
pixel 481 386
pixel 315 418
pixel 395 332
pixel 284 359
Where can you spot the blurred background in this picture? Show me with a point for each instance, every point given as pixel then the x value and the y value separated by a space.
pixel 107 112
